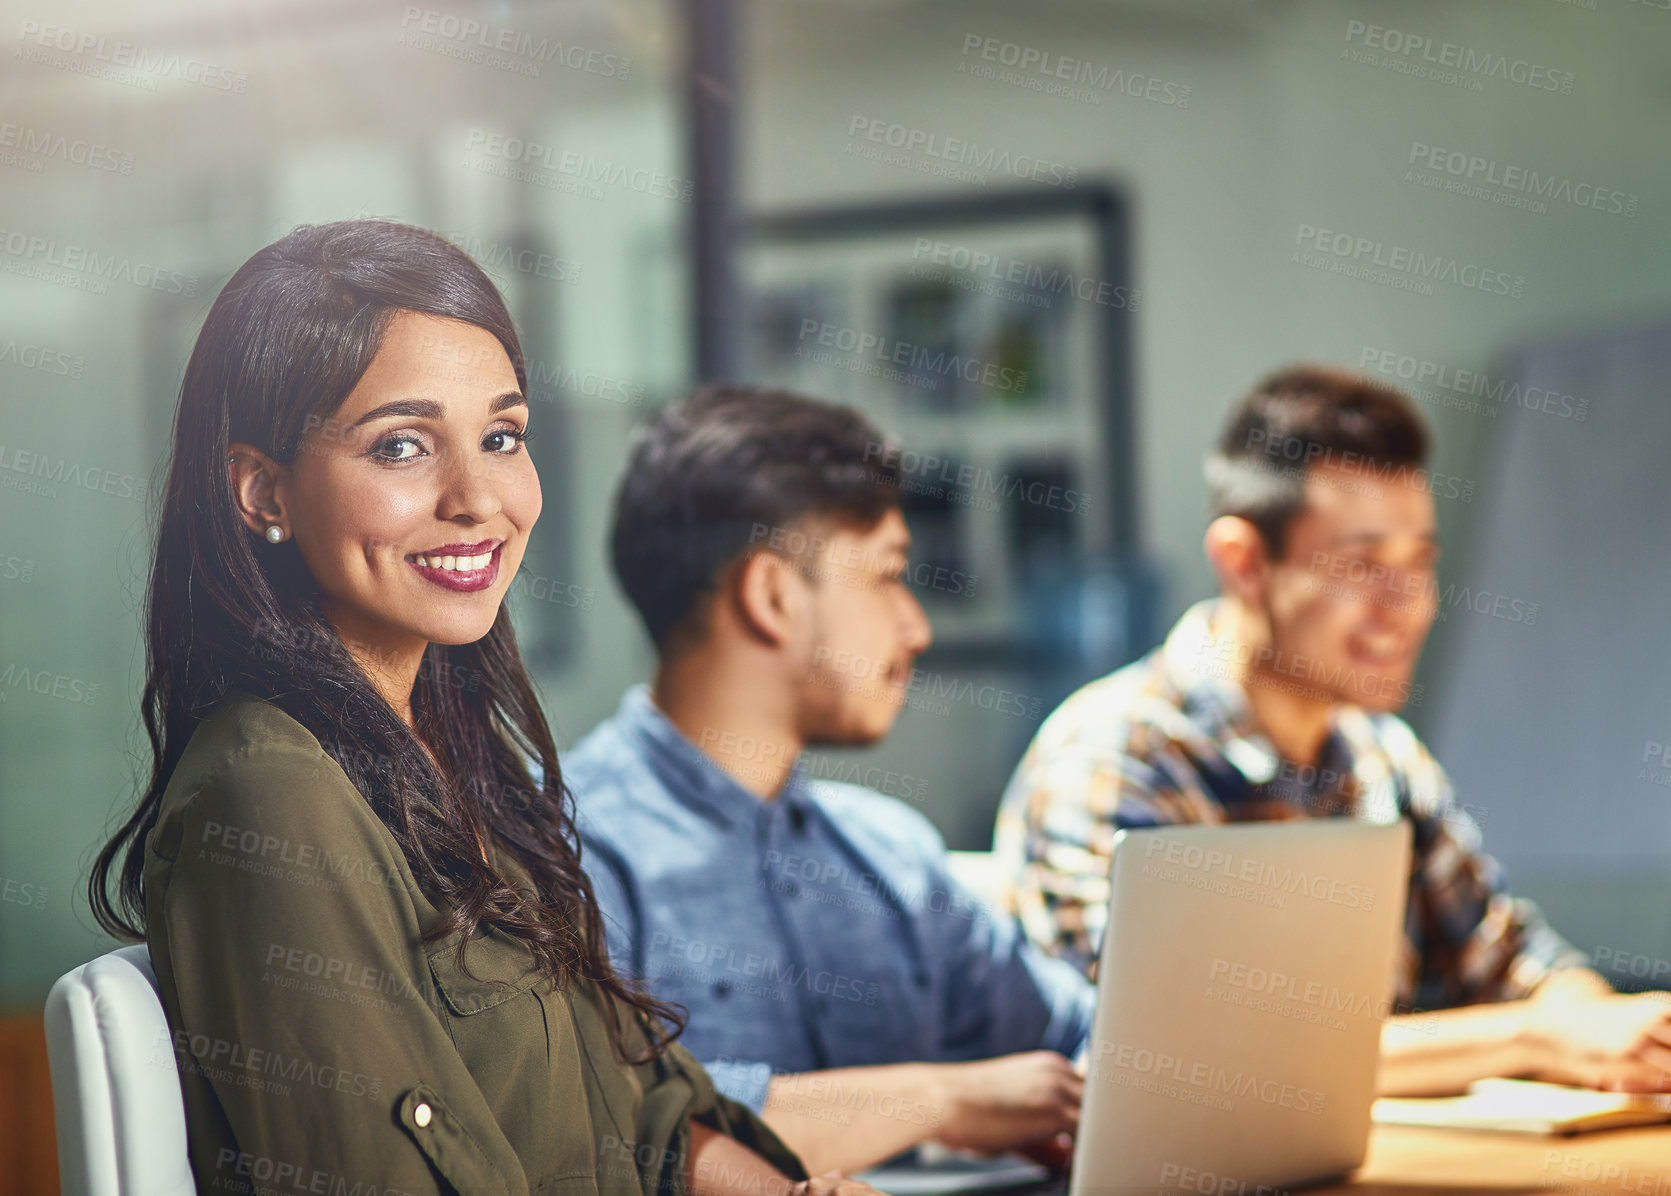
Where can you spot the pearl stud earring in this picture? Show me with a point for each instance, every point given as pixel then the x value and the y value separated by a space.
pixel 275 534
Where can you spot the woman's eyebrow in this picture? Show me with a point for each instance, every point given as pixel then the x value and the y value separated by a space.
pixel 430 409
pixel 410 408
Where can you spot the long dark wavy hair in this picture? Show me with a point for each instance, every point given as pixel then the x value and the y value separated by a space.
pixel 283 345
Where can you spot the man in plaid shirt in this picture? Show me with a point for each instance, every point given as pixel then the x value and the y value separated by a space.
pixel 1277 701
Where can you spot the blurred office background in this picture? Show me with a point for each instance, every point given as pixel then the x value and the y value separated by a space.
pixel 1044 244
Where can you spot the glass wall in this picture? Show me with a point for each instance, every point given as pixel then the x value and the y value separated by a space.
pixel 1422 191
pixel 145 152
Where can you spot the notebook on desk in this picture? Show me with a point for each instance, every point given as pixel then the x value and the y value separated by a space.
pixel 1526 1107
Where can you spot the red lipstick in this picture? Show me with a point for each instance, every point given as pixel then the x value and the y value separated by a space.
pixel 431 565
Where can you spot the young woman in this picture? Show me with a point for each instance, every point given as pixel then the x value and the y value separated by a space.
pixel 382 965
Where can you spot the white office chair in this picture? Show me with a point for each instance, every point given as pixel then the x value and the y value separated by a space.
pixel 115 1087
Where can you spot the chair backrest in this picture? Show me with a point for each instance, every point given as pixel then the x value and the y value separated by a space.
pixel 115 1086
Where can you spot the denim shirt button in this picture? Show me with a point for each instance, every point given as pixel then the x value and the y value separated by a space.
pixel 920 977
pixel 722 988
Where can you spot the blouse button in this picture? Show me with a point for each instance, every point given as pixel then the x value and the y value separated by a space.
pixel 421 1114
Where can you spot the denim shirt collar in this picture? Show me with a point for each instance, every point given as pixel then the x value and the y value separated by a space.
pixel 689 776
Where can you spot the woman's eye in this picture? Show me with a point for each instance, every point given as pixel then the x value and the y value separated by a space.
pixel 505 440
pixel 398 448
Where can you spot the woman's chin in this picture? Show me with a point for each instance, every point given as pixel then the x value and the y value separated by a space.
pixel 455 632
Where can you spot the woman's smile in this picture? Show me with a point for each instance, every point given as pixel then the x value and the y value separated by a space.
pixel 464 568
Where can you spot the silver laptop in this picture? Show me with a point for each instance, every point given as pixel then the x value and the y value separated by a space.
pixel 1244 977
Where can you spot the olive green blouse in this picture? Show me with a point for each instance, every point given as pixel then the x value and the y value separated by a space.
pixel 324 1047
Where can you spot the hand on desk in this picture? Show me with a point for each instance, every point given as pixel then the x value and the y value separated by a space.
pixel 1604 1040
pixel 1012 1102
pixel 1574 1029
pixel 856 1117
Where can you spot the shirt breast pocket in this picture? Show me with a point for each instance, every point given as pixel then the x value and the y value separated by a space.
pixel 515 1034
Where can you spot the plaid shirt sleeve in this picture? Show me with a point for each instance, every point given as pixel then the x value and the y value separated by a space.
pixel 1078 784
pixel 1469 939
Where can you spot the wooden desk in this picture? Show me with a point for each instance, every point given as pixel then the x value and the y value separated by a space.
pixel 1405 1161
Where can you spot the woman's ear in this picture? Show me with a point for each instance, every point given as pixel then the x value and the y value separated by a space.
pixel 1236 551
pixel 257 489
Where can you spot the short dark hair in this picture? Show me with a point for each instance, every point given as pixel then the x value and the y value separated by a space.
pixel 1296 418
pixel 721 470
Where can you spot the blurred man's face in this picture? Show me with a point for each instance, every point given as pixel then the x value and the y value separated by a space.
pixel 864 630
pixel 1352 600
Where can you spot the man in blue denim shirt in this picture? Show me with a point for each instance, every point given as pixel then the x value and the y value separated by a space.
pixel 839 980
